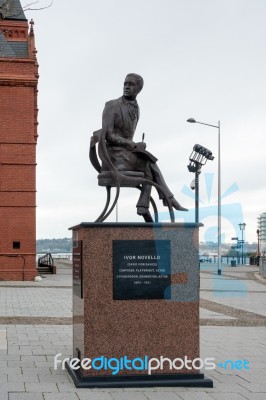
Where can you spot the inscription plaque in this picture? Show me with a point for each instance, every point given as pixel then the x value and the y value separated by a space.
pixel 141 269
pixel 77 269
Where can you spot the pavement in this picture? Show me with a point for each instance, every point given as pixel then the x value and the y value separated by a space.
pixel 36 324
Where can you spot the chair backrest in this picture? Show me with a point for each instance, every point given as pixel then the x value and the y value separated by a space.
pixel 93 152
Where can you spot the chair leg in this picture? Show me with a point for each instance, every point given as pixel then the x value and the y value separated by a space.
pixel 103 218
pixel 155 210
pixel 108 189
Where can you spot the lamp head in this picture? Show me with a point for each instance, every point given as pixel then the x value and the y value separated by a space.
pixel 242 226
pixel 191 120
pixel 198 158
pixel 203 151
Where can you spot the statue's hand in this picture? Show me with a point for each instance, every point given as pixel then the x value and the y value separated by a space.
pixel 130 145
pixel 141 145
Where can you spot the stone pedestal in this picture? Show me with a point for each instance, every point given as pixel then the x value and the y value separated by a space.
pixel 136 295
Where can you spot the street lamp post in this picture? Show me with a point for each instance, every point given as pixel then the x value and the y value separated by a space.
pixel 192 120
pixel 242 228
pixel 258 252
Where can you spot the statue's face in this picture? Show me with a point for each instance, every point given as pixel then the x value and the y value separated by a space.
pixel 131 88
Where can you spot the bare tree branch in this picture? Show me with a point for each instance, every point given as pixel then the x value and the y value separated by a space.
pixel 28 6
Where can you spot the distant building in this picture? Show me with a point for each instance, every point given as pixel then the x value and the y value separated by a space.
pixel 262 235
pixel 18 139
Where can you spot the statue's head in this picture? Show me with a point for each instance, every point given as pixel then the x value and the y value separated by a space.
pixel 133 85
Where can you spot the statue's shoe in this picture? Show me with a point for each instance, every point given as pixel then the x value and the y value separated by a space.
pixel 175 204
pixel 144 212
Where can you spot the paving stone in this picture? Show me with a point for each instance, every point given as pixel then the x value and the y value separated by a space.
pixel 234 385
pixel 25 396
pixel 24 351
pixel 10 371
pixel 67 387
pixel 255 387
pixel 107 390
pixel 41 387
pixel 229 396
pixel 36 371
pixel 13 349
pixel 31 378
pixel 168 389
pixel 166 396
pixel 3 379
pixel 198 390
pixel 43 364
pixel 3 396
pixel 33 358
pixel 256 396
pixel 22 364
pixel 126 396
pixel 60 396
pixel 10 357
pixel 257 378
pixel 139 389
pixel 54 378
pixel 195 396
pixel 13 387
pixel 93 394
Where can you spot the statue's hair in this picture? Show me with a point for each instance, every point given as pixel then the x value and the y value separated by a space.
pixel 139 79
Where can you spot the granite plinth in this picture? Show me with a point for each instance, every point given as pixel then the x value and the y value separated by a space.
pixel 136 328
pixel 187 380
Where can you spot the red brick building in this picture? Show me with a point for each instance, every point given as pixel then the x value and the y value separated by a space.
pixel 18 139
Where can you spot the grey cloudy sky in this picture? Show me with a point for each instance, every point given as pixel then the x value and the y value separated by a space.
pixel 199 58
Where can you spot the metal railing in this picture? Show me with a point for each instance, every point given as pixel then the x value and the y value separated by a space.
pixel 47 261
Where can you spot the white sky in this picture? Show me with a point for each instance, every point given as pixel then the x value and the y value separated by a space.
pixel 199 58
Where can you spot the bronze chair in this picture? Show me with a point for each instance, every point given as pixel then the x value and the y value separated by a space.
pixel 115 178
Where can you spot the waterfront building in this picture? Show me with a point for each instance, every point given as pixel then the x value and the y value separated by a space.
pixel 18 139
pixel 262 234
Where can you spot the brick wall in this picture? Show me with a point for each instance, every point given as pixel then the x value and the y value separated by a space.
pixel 18 105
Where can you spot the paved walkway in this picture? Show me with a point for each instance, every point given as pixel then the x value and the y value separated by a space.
pixel 35 324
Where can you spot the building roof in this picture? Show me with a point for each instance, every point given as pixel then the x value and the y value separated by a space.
pixel 11 10
pixel 13 49
pixel 5 48
pixel 20 49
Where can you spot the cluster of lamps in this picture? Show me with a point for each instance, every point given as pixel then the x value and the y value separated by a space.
pixel 193 121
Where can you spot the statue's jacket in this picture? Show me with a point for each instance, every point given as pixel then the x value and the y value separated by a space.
pixel 120 129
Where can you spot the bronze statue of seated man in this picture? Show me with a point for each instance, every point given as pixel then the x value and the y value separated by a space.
pixel 119 121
